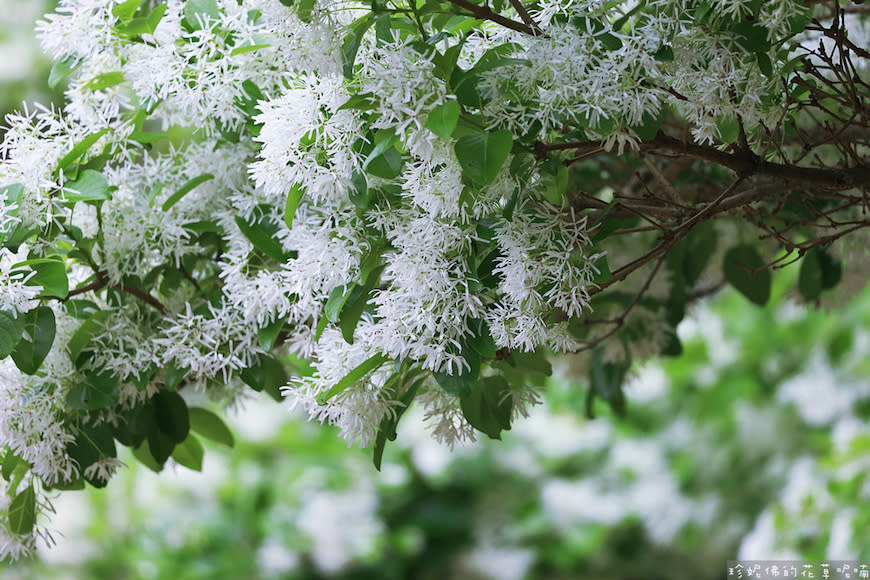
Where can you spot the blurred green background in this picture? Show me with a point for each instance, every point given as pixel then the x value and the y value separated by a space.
pixel 753 444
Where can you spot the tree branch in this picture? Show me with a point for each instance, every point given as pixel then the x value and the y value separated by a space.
pixel 526 17
pixel 485 13
pixel 141 295
pixel 744 165
pixel 102 281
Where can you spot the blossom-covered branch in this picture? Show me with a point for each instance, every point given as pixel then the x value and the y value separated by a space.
pixel 359 207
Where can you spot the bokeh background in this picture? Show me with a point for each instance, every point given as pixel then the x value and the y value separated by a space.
pixel 754 444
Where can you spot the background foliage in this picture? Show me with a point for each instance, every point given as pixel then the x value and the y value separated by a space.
pixel 753 444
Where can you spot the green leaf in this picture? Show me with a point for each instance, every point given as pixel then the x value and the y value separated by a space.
pixel 189 453
pixel 262 236
pixel 531 363
pixel 97 390
pixel 737 265
pixel 498 56
pixel 360 102
pixel 673 347
pixel 728 129
pixel 74 485
pixel 91 444
pixel 171 414
pixel 461 384
pixel 649 127
pixel 605 381
pixel 12 195
pixel 62 69
pixel 359 191
pixel 194 10
pixel 336 301
pixel 355 303
pixel 174 375
pixel 266 374
pixel 354 376
pixel 764 64
pixel 255 95
pixel 267 335
pixel 50 275
pixel 384 159
pixel 304 10
pixel 482 155
pixel 82 337
pixel 664 54
pixel 832 271
pixel 185 189
pixel 601 269
pixel 210 426
pixel 80 149
pixel 11 331
pixel 89 186
pixel 445 64
pixel 105 81
pixel 810 277
pixel 480 340
pixel 443 118
pixel 32 349
pixel 488 406
pixel 125 10
pixel 610 41
pixel 556 185
pixel 293 199
pixel 465 87
pixel 146 456
pixel 11 463
pixel 248 48
pixel 160 445
pixel 351 43
pixel 700 244
pixel 386 165
pixel 143 454
pixel 22 512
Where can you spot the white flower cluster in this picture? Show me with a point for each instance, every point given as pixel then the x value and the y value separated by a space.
pixel 16 296
pixel 583 73
pixel 542 267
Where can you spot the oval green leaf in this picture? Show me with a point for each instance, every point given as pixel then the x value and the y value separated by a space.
pixel 22 512
pixel 482 155
pixel 210 426
pixel 11 331
pixel 39 327
pixel 189 453
pixel 745 270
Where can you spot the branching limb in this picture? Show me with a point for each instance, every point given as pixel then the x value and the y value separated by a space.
pixel 485 13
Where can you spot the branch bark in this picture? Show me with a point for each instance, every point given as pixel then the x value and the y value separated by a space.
pixel 485 13
pixel 744 164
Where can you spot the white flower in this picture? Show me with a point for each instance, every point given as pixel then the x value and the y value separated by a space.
pixel 542 266
pixel 358 409
pixel 104 469
pixel 307 141
pixel 16 296
pixel 31 423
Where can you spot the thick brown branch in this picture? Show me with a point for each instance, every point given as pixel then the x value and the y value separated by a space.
pixel 103 280
pixel 141 295
pixel 97 284
pixel 742 164
pixel 526 17
pixel 485 13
